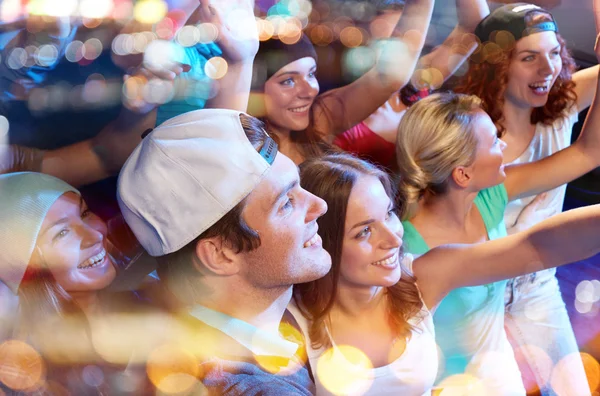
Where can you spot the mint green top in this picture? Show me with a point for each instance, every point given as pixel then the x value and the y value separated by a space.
pixel 470 320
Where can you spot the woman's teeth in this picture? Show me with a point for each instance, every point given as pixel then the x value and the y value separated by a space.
pixel 540 87
pixel 387 262
pixel 300 109
pixel 312 241
pixel 93 261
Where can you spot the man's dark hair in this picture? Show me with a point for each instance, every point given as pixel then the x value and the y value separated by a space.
pixel 231 228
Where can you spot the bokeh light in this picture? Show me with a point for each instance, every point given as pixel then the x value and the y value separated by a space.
pixel 150 11
pixel 462 385
pixel 188 36
pixel 46 55
pixel 172 369
pixel 345 370
pixel 358 60
pixel 96 9
pixel 216 68
pixel 21 366
pixel 562 376
pixel 351 36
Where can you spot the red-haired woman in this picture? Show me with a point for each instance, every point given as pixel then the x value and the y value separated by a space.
pixel 525 77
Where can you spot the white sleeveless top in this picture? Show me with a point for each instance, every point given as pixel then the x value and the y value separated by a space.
pixel 413 373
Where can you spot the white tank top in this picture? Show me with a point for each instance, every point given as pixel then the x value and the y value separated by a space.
pixel 413 373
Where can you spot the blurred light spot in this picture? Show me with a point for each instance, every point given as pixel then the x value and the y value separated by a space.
pixel 133 86
pixel 345 370
pixel 46 55
pixel 585 292
pixel 93 49
pixel 21 366
pixel 172 369
pixel 279 365
pixel 321 35
pixel 75 51
pixel 31 55
pixel 562 376
pixel 39 99
pixel 162 54
pixel 462 385
pixel 216 68
pixel 357 61
pixel 351 37
pixel 11 10
pixel 52 8
pixel 380 28
pixel 141 41
pixel 92 376
pixel 94 91
pixel 97 9
pixel 592 370
pixel 158 91
pixel 166 29
pixel 492 53
pixel 544 365
pixel 91 23
pixel 57 97
pixel 390 52
pixel 17 58
pixel 504 39
pixel 455 59
pixel 583 307
pixel 150 11
pixel 208 33
pixel 123 11
pixel 4 126
pixel 265 29
pixel 188 36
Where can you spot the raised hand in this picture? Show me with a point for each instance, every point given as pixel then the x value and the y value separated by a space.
pixel 534 212
pixel 236 24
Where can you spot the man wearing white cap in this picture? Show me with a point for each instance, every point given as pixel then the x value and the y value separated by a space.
pixel 209 196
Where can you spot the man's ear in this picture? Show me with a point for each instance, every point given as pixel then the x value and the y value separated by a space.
pixel 216 257
pixel 462 176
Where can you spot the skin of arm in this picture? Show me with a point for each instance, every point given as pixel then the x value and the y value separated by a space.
pixel 344 107
pixel 574 161
pixel 562 239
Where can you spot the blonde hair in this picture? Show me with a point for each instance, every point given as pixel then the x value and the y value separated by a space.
pixel 434 137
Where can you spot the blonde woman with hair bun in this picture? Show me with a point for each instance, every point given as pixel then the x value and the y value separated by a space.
pixel 454 189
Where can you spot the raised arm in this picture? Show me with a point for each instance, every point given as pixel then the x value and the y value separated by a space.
pixel 238 39
pixel 587 79
pixel 459 45
pixel 574 161
pixel 344 107
pixel 562 239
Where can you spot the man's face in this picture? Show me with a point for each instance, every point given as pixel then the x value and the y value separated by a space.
pixel 285 217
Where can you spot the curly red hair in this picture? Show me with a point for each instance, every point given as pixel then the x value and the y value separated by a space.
pixel 488 80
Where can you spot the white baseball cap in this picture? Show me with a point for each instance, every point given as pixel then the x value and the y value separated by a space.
pixel 187 174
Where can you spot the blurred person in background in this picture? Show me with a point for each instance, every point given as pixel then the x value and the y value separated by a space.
pixel 530 89
pixel 287 90
pixel 374 138
pixel 102 156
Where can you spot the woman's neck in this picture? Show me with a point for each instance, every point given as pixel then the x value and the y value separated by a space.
pixel 355 301
pixel 89 302
pixel 515 117
pixel 449 211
